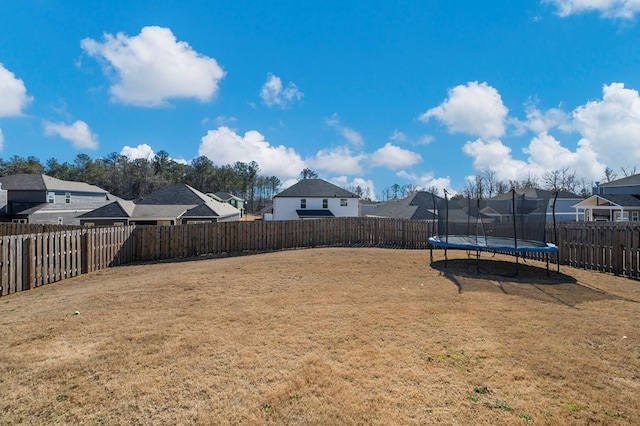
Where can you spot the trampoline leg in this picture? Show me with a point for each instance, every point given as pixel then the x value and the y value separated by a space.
pixel 548 264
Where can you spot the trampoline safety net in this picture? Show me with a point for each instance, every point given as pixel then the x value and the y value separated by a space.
pixel 513 221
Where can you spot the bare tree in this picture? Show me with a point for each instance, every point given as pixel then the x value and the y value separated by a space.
pixel 433 189
pixel 530 181
pixel 502 187
pixel 584 188
pixel 490 182
pixel 609 175
pixel 560 180
pixel 409 189
pixel 628 171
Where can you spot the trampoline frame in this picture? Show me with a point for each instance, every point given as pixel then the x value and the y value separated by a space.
pixel 494 244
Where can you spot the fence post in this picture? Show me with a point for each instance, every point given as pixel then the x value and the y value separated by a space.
pixel 29 278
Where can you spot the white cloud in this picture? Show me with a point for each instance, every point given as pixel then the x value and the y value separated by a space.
pixel 425 140
pixel 337 160
pixel 223 120
pixel 539 121
pixel 398 136
pixel 623 9
pixel 143 151
pixel 153 66
pixel 78 133
pixel 611 126
pixel 427 181
pixel 475 109
pixel 544 153
pixel 394 157
pixel 224 146
pixel 13 94
pixel 273 94
pixel 349 134
pixel 494 155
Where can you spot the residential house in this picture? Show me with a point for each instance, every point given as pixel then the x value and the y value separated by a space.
pixel 225 197
pixel 420 205
pixel 172 205
pixel 616 201
pixel 312 199
pixel 539 201
pixel 38 198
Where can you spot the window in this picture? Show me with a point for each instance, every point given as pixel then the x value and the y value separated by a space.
pixel 325 203
pixel 634 216
pixel 343 202
pixel 67 198
pixel 621 216
pixel 19 220
pixel 51 197
pixel 303 203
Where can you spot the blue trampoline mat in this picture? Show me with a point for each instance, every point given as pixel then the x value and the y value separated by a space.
pixel 473 242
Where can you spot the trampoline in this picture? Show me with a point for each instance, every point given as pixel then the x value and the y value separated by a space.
pixel 512 223
pixel 464 242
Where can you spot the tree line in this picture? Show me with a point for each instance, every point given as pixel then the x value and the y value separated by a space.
pixel 133 178
pixel 486 184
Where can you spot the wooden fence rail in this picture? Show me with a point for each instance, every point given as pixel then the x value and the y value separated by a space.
pixel 29 260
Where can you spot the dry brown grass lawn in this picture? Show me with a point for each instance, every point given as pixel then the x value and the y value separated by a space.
pixel 326 336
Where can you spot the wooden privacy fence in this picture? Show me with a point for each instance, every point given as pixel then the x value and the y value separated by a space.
pixel 171 242
pixel 601 246
pixel 31 260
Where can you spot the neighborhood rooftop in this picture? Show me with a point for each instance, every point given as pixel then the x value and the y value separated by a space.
pixel 34 182
pixel 317 187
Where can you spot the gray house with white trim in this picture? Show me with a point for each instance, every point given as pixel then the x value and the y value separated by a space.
pixel 38 198
pixel 616 201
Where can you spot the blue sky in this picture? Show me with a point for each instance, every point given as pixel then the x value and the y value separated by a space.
pixel 367 93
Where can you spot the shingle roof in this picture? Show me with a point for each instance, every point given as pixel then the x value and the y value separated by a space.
pixel 34 182
pixel 314 213
pixel 536 193
pixel 623 200
pixel 170 202
pixel 178 194
pixel 116 209
pixel 225 196
pixel 417 206
pixel 626 181
pixel 316 188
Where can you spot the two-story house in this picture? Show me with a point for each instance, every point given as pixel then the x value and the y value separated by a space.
pixel 33 198
pixel 313 199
